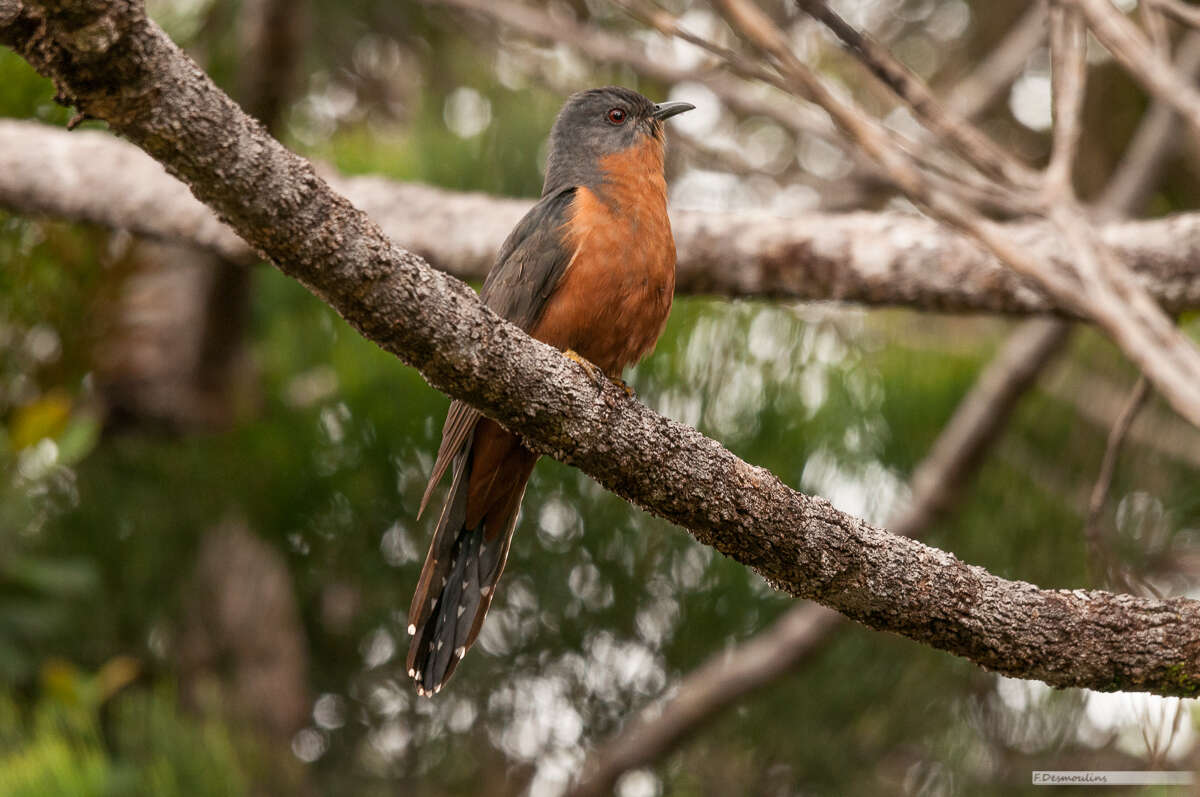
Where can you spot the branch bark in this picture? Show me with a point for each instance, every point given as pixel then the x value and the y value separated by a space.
pixel 116 65
pixel 870 258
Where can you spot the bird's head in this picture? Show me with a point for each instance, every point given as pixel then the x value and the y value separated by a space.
pixel 597 123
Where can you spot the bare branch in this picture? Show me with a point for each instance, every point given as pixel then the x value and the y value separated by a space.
pixel 1138 325
pixel 1135 53
pixel 719 683
pixel 607 48
pixel 871 258
pixel 977 421
pixel 972 144
pixel 965 184
pixel 1000 67
pixel 1099 401
pixel 1098 553
pixel 1155 23
pixel 1068 61
pixel 1156 137
pixel 1181 12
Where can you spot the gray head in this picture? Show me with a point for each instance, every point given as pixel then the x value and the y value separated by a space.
pixel 600 122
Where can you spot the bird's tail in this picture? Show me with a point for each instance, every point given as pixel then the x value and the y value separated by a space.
pixel 465 560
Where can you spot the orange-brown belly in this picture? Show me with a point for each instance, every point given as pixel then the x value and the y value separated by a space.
pixel 614 299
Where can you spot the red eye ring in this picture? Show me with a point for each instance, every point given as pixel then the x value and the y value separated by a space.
pixel 616 116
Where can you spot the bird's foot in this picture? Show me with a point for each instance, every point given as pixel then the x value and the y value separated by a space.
pixel 593 370
pixel 596 373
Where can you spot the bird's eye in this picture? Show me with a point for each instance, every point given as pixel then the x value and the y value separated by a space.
pixel 616 116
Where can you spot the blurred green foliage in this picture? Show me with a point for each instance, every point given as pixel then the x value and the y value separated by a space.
pixel 58 744
pixel 602 607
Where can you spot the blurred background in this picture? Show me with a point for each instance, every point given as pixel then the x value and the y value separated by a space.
pixel 208 481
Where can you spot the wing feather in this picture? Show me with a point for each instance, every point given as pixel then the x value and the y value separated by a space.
pixel 526 273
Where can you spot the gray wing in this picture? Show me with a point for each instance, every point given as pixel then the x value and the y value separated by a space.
pixel 531 262
pixel 527 270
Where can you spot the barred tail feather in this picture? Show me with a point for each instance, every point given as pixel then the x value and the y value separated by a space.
pixel 456 586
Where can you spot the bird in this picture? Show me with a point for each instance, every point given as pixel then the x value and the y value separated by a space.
pixel 590 270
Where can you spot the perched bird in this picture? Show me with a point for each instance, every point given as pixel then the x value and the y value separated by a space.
pixel 589 270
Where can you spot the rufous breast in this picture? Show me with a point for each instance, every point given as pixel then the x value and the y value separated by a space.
pixel 614 298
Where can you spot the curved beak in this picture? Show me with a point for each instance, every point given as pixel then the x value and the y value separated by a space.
pixel 665 110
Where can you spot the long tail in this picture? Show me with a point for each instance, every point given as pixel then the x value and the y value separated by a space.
pixel 467 554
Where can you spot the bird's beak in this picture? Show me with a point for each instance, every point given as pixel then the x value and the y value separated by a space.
pixel 665 110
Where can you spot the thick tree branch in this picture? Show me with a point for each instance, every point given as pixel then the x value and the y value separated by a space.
pixel 872 258
pixel 115 65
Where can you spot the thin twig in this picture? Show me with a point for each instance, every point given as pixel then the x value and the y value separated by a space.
pixel 737 94
pixel 1131 49
pixel 961 181
pixel 1001 66
pixel 1182 13
pixel 1155 23
pixel 1068 61
pixel 969 141
pixel 1100 558
pixel 1156 137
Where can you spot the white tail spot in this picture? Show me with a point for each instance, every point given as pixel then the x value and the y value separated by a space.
pixel 412 673
pixel 440 643
pixel 412 630
pixel 461 609
pixel 485 591
pixel 460 652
